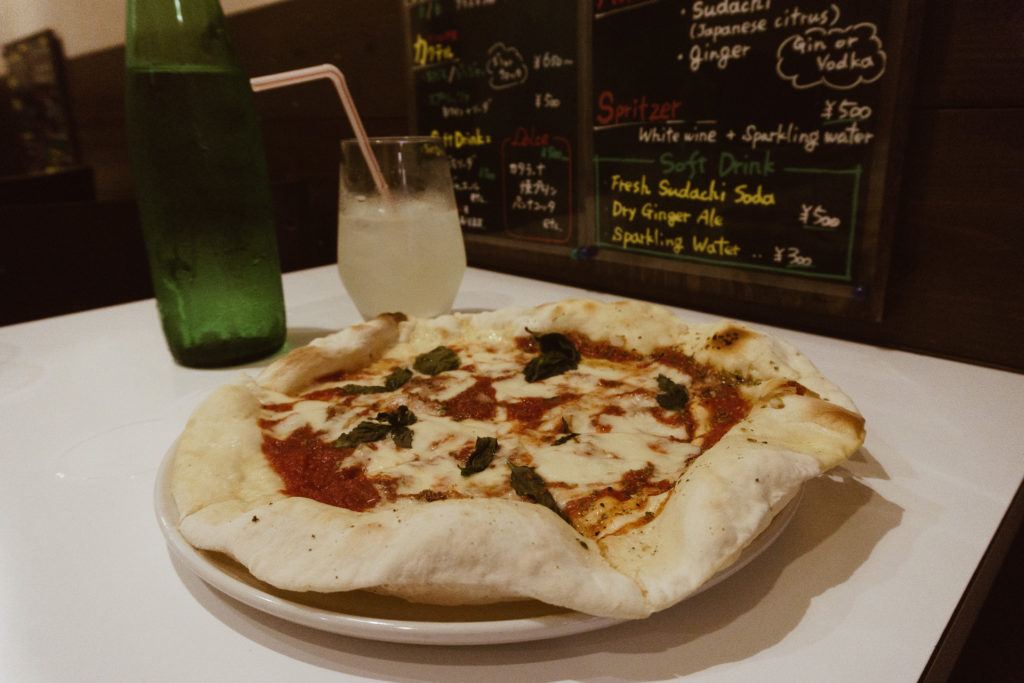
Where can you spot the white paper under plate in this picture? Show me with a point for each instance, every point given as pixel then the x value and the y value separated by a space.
pixel 361 614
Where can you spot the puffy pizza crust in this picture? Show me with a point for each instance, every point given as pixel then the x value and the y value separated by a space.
pixel 732 492
pixel 480 550
pixel 350 349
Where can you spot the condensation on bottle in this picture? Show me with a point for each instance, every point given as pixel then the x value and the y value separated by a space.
pixel 201 185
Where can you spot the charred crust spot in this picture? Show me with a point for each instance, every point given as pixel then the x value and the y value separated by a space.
pixel 794 387
pixel 431 496
pixel 727 338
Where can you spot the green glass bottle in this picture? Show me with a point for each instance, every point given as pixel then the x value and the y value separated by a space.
pixel 201 185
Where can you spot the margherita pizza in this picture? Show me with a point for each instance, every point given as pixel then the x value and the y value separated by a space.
pixel 608 458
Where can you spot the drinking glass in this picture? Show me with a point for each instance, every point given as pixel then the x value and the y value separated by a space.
pixel 403 253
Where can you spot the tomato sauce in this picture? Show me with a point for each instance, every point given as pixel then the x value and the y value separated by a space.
pixel 530 411
pixel 311 468
pixel 462 455
pixel 630 484
pixel 595 420
pixel 603 350
pixel 680 361
pixel 331 377
pixel 715 391
pixel 634 481
pixel 478 402
pixel 674 418
pixel 726 407
pixel 327 395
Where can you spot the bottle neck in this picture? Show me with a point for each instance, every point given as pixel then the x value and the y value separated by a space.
pixel 163 33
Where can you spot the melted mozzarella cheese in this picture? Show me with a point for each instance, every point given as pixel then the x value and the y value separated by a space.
pixel 593 461
pixel 610 405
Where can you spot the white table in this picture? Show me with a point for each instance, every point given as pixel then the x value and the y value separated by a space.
pixel 860 587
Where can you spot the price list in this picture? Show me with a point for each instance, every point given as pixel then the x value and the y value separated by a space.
pixel 739 134
pixel 495 81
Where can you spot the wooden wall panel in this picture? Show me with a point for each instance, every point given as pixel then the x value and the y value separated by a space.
pixel 60 258
pixel 363 38
pixel 971 54
pixel 956 285
pixel 96 88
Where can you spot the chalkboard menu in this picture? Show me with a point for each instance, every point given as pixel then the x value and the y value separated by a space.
pixel 742 134
pixel 497 83
pixel 742 150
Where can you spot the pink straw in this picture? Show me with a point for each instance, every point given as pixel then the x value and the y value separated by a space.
pixel 332 73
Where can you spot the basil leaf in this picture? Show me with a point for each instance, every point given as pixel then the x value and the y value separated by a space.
pixel 528 484
pixel 402 436
pixel 361 389
pixel 436 361
pixel 557 355
pixel 395 424
pixel 567 434
pixel 673 396
pixel 553 342
pixel 396 379
pixel 400 418
pixel 482 456
pixel 548 364
pixel 365 432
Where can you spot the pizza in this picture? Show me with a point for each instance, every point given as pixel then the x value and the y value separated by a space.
pixel 608 458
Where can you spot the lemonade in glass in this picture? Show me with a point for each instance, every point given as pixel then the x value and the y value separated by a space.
pixel 403 253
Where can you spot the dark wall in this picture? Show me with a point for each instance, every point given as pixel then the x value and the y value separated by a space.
pixel 956 285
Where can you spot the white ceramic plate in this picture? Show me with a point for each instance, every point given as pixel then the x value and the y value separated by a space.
pixel 375 617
